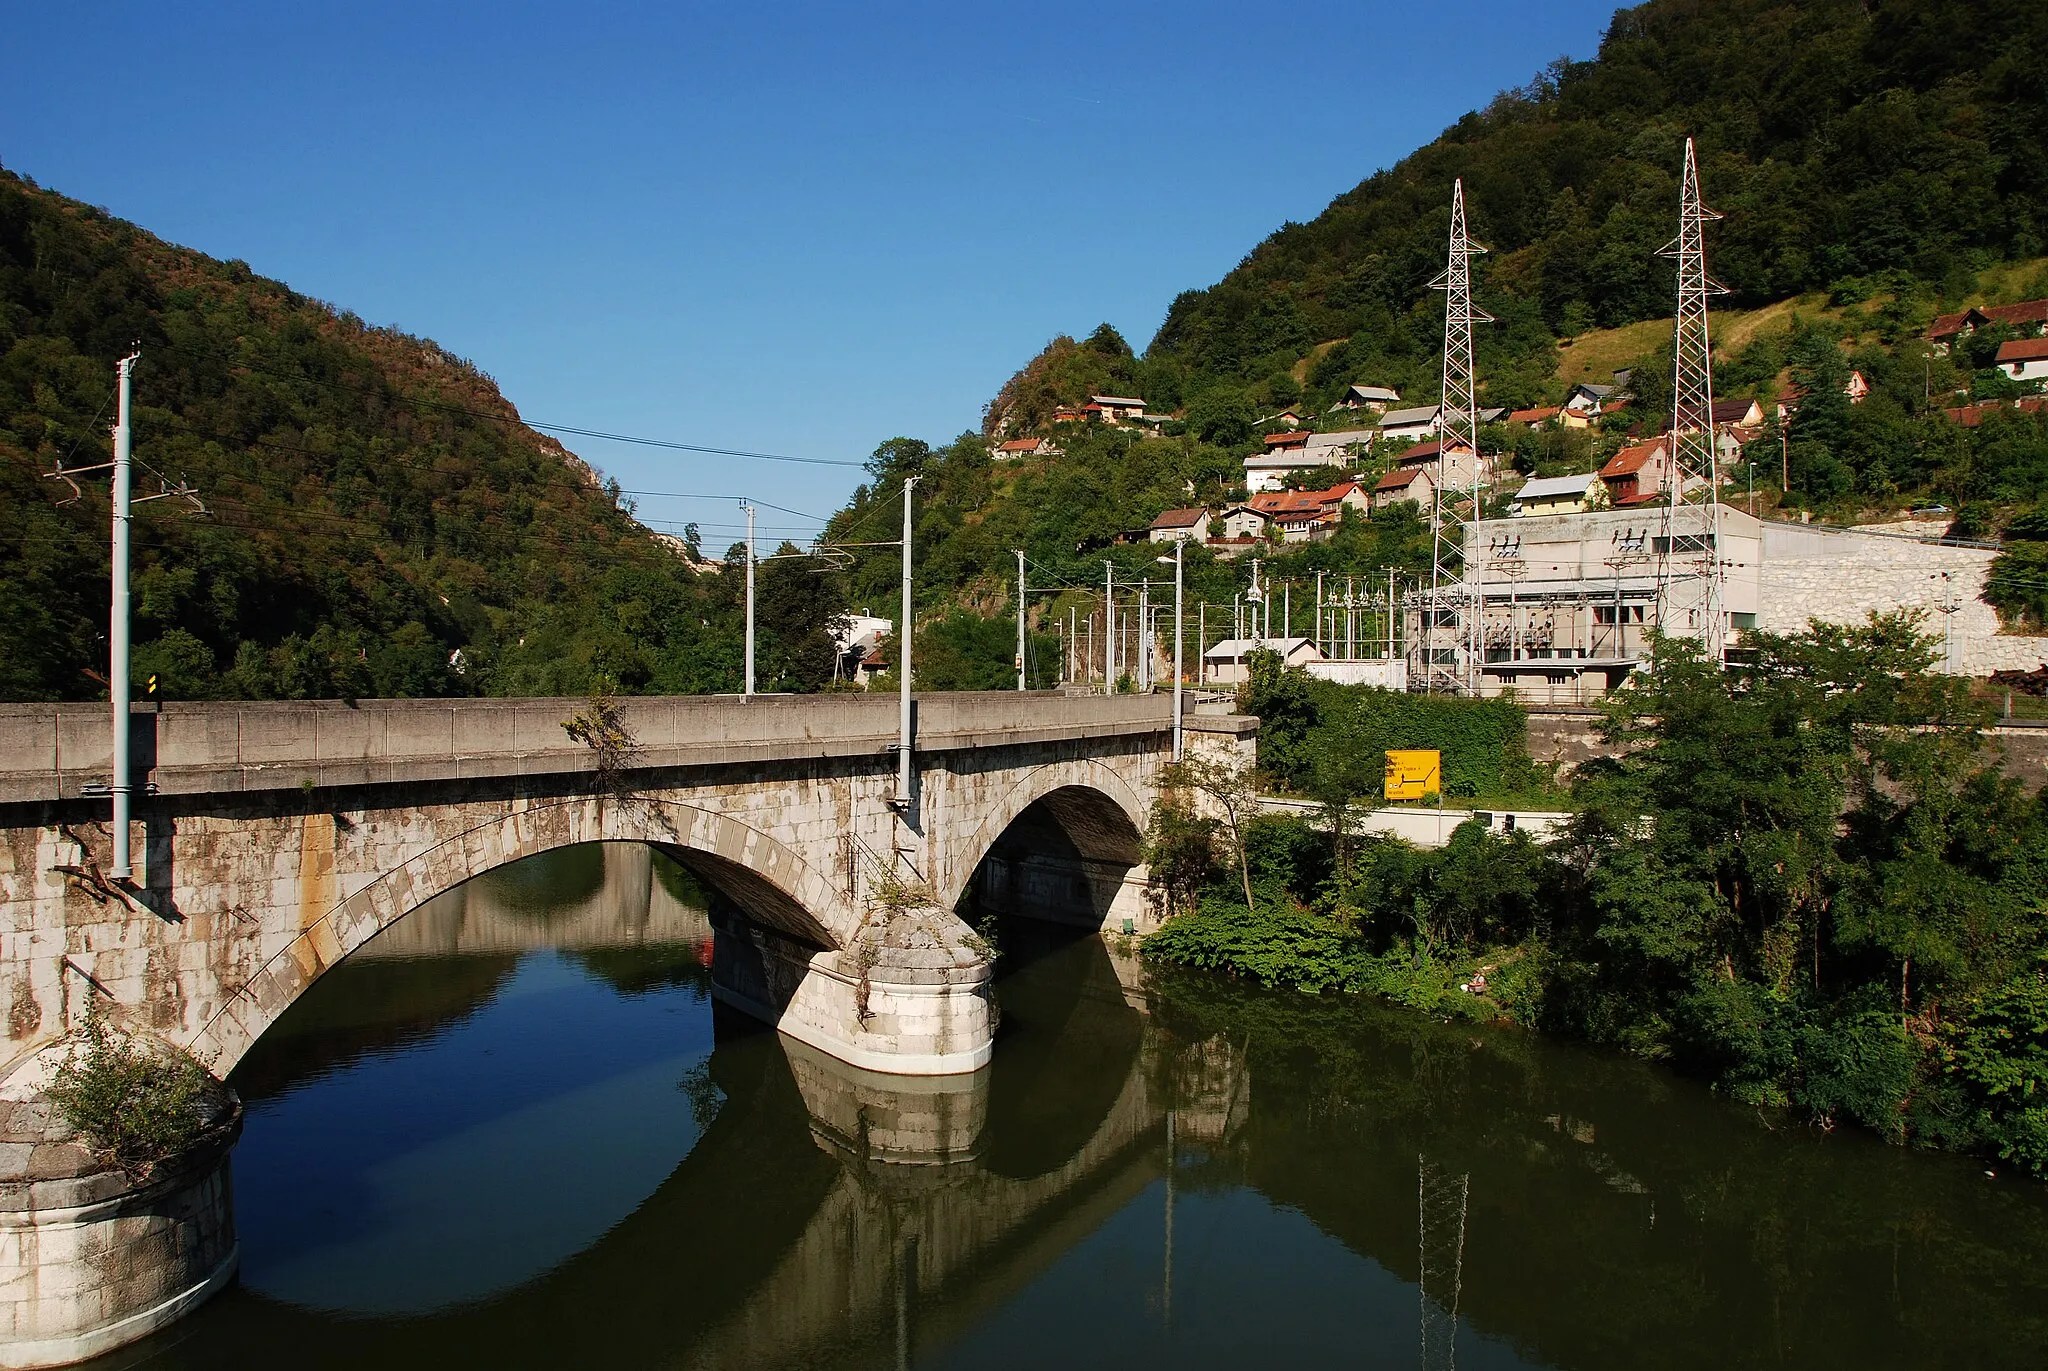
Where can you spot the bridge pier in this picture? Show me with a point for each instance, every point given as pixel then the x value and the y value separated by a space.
pixel 93 1257
pixel 911 1000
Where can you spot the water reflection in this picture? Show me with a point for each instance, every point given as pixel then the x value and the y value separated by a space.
pixel 519 1134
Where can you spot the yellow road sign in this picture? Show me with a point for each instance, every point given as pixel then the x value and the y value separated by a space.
pixel 1413 773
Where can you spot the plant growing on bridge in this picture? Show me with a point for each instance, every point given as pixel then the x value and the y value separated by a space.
pixel 138 1105
pixel 1233 788
pixel 602 728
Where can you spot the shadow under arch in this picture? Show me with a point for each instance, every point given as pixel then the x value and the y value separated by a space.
pixel 765 880
pixel 1061 855
pixel 1069 1040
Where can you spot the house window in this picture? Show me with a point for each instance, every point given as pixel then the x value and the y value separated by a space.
pixel 1740 619
pixel 1619 614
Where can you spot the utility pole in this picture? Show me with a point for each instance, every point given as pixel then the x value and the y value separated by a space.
pixel 904 797
pixel 117 625
pixel 1319 612
pixel 1109 628
pixel 747 677
pixel 1287 609
pixel 1350 621
pixel 1020 620
pixel 1390 614
pixel 1201 635
pixel 1144 643
pixel 1179 548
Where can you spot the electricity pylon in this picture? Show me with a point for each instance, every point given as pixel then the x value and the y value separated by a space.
pixel 1440 1204
pixel 1453 611
pixel 1690 573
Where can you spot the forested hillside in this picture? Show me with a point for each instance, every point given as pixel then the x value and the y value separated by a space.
pixel 376 507
pixel 1851 145
pixel 1877 162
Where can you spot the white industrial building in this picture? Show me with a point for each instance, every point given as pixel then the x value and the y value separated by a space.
pixel 1570 598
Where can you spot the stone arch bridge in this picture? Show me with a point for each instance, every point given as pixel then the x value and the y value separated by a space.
pixel 277 838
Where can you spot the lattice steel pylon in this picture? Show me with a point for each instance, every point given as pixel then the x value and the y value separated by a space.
pixel 1440 1206
pixel 1691 575
pixel 1453 610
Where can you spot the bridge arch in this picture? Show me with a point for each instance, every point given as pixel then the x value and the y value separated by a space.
pixel 1090 812
pixel 762 876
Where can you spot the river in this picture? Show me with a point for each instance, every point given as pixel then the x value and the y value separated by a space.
pixel 513 1131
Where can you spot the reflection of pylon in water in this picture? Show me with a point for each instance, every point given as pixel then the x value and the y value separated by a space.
pixel 1440 1236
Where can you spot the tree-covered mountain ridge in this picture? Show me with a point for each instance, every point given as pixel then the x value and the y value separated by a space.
pixel 1853 148
pixel 380 522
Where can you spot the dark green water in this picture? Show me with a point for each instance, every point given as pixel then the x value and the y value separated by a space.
pixel 516 1134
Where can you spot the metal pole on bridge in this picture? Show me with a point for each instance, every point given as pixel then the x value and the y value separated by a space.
pixel 903 775
pixel 747 678
pixel 117 625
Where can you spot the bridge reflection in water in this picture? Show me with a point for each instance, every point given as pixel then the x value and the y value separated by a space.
pixel 1151 1169
pixel 818 1214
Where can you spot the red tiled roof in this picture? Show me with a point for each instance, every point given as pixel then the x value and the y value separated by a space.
pixel 1427 452
pixel 1286 439
pixel 1630 460
pixel 1535 416
pixel 1021 445
pixel 2025 312
pixel 1181 518
pixel 1969 416
pixel 1641 497
pixel 1728 411
pixel 1398 479
pixel 2023 350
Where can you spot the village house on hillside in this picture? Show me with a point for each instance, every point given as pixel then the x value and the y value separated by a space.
pixel 1971 415
pixel 1559 495
pixel 1025 447
pixel 1409 424
pixel 1301 516
pixel 1286 452
pixel 1544 415
pixel 1178 525
pixel 2024 359
pixel 1374 398
pixel 1458 466
pixel 1590 400
pixel 1405 483
pixel 1637 474
pixel 2029 318
pixel 1857 388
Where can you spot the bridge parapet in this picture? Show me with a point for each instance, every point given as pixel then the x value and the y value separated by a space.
pixel 54 751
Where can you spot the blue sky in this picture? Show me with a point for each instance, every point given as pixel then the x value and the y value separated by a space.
pixel 797 229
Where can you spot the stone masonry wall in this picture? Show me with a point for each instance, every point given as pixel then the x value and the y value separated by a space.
pixel 1841 576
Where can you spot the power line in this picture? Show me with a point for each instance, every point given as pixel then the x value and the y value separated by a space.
pixel 393 393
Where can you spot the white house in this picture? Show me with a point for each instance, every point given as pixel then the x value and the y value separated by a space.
pixel 1116 409
pixel 1224 664
pixel 1025 447
pixel 859 648
pixel 2024 359
pixel 1178 525
pixel 1410 424
pixel 1559 495
pixel 1374 398
pixel 1285 452
pixel 1242 521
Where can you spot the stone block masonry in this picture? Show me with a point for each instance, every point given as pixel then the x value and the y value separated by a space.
pixel 1840 576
